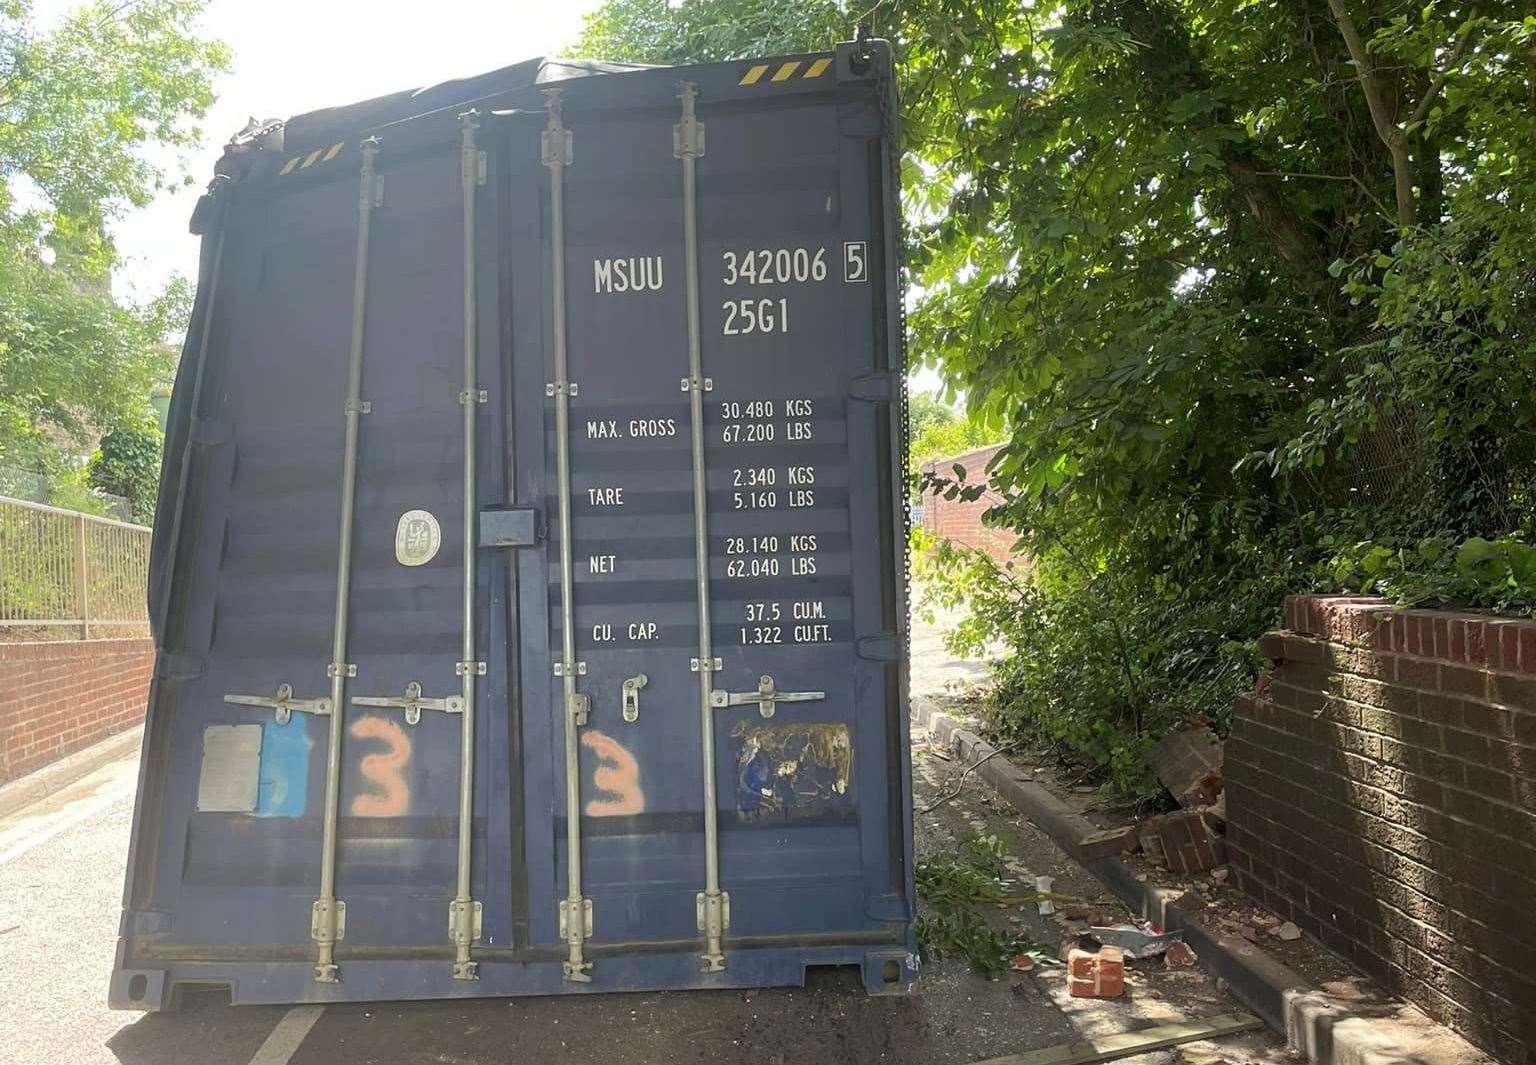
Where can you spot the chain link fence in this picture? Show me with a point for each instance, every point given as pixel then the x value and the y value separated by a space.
pixel 68 575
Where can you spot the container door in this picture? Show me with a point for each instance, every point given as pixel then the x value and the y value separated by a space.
pixel 799 518
pixel 797 448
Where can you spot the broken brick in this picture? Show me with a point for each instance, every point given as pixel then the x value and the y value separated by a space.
pixel 1188 763
pixel 1182 842
pixel 1179 955
pixel 1110 843
pixel 1096 974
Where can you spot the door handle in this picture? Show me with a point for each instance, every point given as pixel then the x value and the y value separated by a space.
pixel 631 692
pixel 766 696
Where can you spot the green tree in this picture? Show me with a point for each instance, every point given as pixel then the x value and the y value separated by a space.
pixel 127 464
pixel 81 106
pixel 926 410
pixel 939 441
pixel 654 31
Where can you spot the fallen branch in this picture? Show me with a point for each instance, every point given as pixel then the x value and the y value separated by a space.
pixel 960 784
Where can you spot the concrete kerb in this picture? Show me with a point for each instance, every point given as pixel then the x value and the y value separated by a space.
pixel 56 776
pixel 1321 1026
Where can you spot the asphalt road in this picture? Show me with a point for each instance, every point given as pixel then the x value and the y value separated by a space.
pixel 61 865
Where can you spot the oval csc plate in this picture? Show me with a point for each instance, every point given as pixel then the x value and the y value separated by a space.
pixel 417 538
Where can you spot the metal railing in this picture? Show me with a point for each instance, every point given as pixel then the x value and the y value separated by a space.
pixel 64 574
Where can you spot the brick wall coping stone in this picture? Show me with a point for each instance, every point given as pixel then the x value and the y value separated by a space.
pixel 52 650
pixel 1486 641
pixel 1327 1029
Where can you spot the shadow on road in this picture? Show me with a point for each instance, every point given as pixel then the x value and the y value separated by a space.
pixel 206 1030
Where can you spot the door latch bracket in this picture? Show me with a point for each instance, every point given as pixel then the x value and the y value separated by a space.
pixel 328 921
pixel 567 906
pixel 464 920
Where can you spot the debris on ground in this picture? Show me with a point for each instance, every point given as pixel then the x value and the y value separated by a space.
pixel 1137 943
pixel 1021 963
pixel 957 889
pixel 1288 931
pixel 1180 955
pixel 1188 763
pixel 1216 813
pixel 1096 974
pixel 1110 843
pixel 1182 842
pixel 1090 913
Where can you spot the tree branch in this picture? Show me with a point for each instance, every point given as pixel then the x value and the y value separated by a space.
pixel 1382 116
pixel 1452 61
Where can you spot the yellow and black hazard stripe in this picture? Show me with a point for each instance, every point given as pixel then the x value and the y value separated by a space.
pixel 793 68
pixel 319 155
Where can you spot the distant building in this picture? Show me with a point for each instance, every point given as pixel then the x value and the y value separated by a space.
pixel 959 520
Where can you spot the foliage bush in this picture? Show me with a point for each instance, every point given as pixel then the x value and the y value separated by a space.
pixel 127 464
pixel 1089 658
pixel 1497 575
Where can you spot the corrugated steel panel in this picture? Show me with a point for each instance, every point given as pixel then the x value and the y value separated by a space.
pixel 242 873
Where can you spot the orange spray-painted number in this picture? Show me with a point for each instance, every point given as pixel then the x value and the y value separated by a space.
pixel 617 777
pixel 387 794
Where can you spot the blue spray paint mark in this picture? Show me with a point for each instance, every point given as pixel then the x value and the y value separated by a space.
pixel 283 790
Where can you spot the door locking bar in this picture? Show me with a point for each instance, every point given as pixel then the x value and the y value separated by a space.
pixel 765 697
pixel 328 914
pixel 630 693
pixel 714 913
pixel 464 912
pixel 284 704
pixel 413 702
pixel 555 144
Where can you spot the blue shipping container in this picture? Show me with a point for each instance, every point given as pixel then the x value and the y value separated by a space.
pixel 528 574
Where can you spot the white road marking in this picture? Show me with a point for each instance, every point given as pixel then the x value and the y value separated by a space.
pixel 284 1040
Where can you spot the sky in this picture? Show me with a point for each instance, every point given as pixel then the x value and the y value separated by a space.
pixel 292 56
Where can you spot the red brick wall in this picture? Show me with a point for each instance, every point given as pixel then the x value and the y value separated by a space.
pixel 1381 793
pixel 56 698
pixel 960 520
